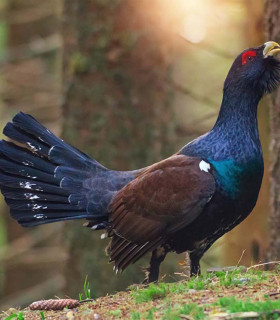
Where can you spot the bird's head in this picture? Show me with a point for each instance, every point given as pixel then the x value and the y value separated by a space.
pixel 255 70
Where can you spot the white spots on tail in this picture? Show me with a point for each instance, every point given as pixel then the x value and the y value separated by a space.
pixel 32 177
pixel 27 163
pixel 32 147
pixel 204 166
pixel 27 185
pixel 23 171
pixel 39 216
pixel 27 175
pixel 36 206
pixel 31 196
pixel 41 139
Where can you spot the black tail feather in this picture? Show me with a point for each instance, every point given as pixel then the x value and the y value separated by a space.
pixel 25 157
pixel 14 168
pixel 24 195
pixel 27 220
pixel 19 135
pixel 30 184
pixel 30 125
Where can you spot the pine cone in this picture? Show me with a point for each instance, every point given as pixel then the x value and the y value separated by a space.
pixel 54 304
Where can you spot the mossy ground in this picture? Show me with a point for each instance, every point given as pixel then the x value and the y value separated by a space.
pixel 251 294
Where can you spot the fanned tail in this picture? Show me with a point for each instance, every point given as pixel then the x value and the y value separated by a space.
pixel 44 181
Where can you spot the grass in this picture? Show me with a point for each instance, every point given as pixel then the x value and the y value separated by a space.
pixel 225 279
pixel 17 316
pixel 152 292
pixel 116 313
pixel 217 295
pixel 87 293
pixel 192 310
pixel 231 304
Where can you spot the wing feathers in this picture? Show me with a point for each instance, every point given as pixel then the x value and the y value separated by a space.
pixel 162 199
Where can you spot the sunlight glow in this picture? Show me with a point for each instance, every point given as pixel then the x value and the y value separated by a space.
pixel 190 18
pixel 194 28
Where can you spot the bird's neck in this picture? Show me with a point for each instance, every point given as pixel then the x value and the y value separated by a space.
pixel 237 124
pixel 235 135
pixel 238 111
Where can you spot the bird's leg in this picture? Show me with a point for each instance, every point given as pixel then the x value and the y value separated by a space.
pixel 195 266
pixel 158 256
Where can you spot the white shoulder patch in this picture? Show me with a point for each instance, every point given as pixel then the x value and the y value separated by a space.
pixel 204 166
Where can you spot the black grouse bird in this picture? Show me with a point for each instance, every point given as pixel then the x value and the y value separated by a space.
pixel 182 203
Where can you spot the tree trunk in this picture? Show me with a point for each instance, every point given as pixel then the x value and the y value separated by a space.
pixel 32 84
pixel 116 109
pixel 273 33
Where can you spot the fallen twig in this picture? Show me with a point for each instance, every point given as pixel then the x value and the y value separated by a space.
pixel 263 264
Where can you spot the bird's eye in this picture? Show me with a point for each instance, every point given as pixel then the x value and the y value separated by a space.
pixel 248 56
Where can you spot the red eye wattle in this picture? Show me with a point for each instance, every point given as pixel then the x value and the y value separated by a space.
pixel 246 56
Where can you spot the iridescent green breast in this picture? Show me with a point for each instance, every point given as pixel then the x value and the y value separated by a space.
pixel 237 179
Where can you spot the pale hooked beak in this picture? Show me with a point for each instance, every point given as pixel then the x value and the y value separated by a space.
pixel 270 49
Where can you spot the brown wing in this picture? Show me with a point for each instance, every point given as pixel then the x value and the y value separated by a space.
pixel 163 198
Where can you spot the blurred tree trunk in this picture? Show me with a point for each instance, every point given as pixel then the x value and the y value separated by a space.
pixel 32 84
pixel 273 33
pixel 116 109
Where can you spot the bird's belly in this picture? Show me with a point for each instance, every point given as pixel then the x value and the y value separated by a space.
pixel 217 218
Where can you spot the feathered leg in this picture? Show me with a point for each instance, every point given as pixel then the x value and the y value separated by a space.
pixel 195 265
pixel 158 255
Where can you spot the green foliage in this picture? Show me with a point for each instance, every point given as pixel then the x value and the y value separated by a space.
pixel 116 313
pixel 215 281
pixel 135 316
pixel 42 315
pixel 158 291
pixel 197 283
pixel 231 304
pixel 12 316
pixel 237 278
pixel 87 293
pixel 192 309
pixel 20 316
pixel 151 293
pixel 150 315
pixel 17 316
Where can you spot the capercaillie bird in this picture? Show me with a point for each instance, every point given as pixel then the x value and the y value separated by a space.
pixel 182 203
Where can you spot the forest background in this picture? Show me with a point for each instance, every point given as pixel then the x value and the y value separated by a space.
pixel 128 82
